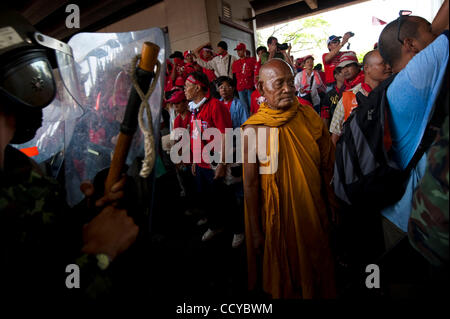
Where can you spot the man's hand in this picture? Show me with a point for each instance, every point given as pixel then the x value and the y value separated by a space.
pixel 335 138
pixel 116 193
pixel 111 232
pixel 220 171
pixel 193 171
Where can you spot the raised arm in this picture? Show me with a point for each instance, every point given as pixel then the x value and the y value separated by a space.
pixel 440 22
pixel 336 50
pixel 197 50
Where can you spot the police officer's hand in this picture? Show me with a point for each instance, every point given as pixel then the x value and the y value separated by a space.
pixel 111 233
pixel 116 193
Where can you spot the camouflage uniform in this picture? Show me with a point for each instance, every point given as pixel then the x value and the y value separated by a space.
pixel 40 235
pixel 428 225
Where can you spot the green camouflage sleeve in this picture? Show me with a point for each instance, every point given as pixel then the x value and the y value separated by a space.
pixel 428 225
pixel 40 235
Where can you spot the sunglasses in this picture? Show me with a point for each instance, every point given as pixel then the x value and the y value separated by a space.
pixel 401 14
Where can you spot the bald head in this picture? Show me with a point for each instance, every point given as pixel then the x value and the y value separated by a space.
pixel 274 65
pixel 276 84
pixel 370 57
pixel 375 68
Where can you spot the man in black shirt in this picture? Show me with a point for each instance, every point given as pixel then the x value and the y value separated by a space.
pixel 331 99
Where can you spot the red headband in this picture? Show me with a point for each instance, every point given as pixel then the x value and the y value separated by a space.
pixel 191 79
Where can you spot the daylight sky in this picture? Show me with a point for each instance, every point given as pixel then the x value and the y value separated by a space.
pixel 358 19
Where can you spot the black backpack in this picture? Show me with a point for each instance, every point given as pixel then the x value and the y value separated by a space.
pixel 365 174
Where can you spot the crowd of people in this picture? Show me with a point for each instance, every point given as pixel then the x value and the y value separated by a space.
pixel 303 238
pixel 297 231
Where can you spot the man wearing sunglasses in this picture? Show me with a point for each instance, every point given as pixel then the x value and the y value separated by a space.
pixel 418 52
pixel 332 58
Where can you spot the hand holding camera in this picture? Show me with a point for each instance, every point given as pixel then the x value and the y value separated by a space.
pixel 347 36
pixel 282 47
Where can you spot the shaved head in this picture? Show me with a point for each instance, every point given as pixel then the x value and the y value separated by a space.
pixel 369 57
pixel 276 84
pixel 414 30
pixel 268 68
pixel 375 68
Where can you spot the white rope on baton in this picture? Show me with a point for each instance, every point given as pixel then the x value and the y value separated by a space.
pixel 149 139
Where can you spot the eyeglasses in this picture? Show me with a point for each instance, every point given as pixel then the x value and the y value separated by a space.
pixel 401 14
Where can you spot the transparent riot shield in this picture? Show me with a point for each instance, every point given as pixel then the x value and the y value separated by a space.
pixel 102 63
pixel 47 147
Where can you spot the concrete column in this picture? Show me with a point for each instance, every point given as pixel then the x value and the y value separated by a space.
pixel 192 23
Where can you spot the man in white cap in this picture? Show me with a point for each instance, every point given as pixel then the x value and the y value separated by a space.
pixel 332 58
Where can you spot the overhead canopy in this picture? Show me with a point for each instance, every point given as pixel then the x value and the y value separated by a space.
pixel 49 16
pixel 269 12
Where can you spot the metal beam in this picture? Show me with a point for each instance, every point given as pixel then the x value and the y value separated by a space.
pixel 298 11
pixel 312 4
pixel 35 11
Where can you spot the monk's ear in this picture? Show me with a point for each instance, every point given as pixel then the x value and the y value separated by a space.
pixel 259 87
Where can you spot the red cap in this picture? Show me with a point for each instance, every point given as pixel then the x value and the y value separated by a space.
pixel 347 58
pixel 186 53
pixel 177 97
pixel 240 46
pixel 179 81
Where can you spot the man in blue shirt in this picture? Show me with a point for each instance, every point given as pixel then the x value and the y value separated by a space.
pixel 418 51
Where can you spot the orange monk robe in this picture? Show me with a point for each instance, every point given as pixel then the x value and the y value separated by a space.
pixel 297 261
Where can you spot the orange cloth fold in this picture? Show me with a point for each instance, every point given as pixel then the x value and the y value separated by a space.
pixel 297 260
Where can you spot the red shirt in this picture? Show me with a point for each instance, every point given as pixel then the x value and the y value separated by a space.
pixel 254 105
pixel 245 73
pixel 180 122
pixel 210 74
pixel 168 85
pixel 329 67
pixel 212 113
pixel 257 67
pixel 322 76
pixel 191 67
pixel 303 101
pixel 227 104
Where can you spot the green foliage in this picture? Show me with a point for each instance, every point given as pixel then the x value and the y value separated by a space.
pixel 309 33
pixel 361 55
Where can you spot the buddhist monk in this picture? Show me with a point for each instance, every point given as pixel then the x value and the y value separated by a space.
pixel 287 216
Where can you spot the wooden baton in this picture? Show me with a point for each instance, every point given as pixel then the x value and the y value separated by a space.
pixel 144 74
